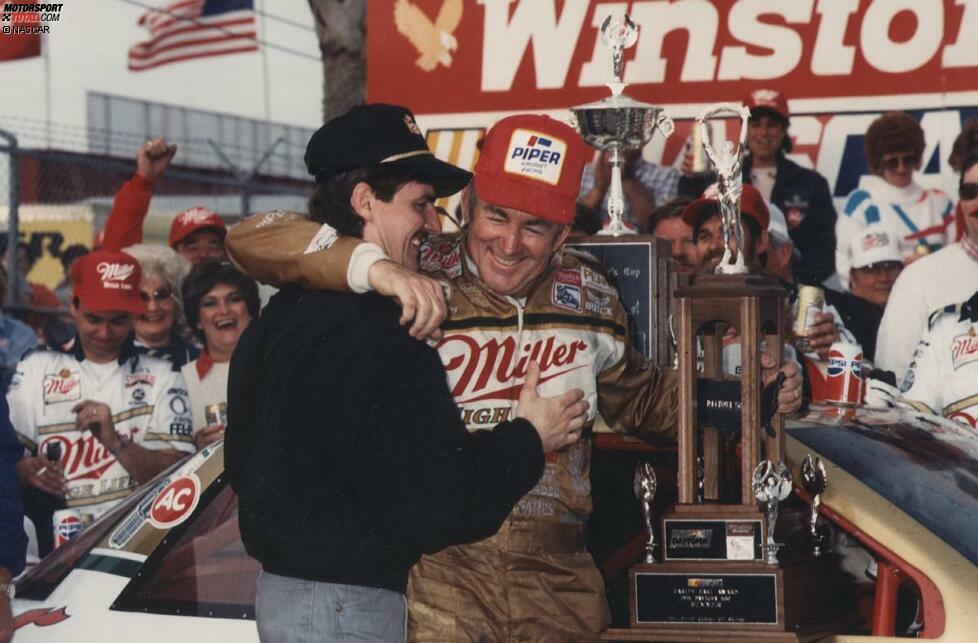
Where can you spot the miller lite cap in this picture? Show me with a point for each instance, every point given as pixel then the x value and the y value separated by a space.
pixel 107 281
pixel 532 163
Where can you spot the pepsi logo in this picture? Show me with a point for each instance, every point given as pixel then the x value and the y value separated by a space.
pixel 67 528
pixel 175 502
pixel 837 364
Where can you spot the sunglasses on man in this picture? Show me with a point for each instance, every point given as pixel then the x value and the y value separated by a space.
pixel 893 163
pixel 967 191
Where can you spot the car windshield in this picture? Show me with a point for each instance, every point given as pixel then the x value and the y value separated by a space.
pixel 926 466
pixel 201 569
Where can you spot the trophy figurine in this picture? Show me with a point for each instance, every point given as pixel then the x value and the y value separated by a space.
pixel 730 182
pixel 813 478
pixel 771 485
pixel 617 122
pixel 644 487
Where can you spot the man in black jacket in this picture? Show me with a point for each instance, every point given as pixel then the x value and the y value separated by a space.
pixel 344 443
pixel 802 194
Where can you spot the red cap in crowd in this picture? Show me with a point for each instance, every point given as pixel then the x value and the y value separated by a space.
pixel 105 280
pixel 751 204
pixel 768 99
pixel 192 220
pixel 532 163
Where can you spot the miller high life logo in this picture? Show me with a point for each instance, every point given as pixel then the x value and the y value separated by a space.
pixel 63 386
pixel 85 458
pixel 114 275
pixel 495 369
pixel 964 350
pixel 195 216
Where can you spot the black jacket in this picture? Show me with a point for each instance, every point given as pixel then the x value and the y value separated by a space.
pixel 346 448
pixel 804 197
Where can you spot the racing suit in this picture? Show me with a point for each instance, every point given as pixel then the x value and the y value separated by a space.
pixel 149 405
pixel 533 580
pixel 943 375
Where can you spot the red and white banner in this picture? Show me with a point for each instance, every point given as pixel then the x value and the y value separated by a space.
pixel 459 65
pixel 499 55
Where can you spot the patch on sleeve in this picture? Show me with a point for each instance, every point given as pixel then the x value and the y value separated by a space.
pixel 325 238
pixel 441 256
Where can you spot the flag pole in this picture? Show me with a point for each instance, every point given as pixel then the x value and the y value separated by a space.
pixel 264 61
pixel 45 54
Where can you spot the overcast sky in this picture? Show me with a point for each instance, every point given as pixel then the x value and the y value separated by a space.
pixel 87 52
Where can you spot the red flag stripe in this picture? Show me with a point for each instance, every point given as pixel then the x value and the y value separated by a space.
pixel 173 59
pixel 158 43
pixel 250 35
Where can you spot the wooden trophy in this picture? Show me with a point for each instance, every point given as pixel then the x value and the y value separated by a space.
pixel 720 575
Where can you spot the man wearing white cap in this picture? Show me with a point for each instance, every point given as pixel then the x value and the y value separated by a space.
pixel 875 264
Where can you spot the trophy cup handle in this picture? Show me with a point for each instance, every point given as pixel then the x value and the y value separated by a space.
pixel 665 125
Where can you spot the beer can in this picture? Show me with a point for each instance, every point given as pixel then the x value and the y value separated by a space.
pixel 844 384
pixel 811 301
pixel 216 413
pixel 67 524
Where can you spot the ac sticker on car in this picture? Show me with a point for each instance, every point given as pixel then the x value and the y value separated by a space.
pixel 175 502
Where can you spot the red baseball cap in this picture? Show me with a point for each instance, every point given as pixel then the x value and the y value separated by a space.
pixel 105 280
pixel 768 99
pixel 751 204
pixel 192 220
pixel 534 164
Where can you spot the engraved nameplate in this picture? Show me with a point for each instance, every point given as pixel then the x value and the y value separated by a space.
pixel 748 598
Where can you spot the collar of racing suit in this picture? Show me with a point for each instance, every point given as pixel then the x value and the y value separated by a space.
pixel 74 348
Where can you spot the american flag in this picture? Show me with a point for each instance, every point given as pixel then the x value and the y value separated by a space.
pixel 190 29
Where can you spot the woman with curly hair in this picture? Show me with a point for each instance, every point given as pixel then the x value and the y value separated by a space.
pixel 917 217
pixel 161 331
pixel 220 302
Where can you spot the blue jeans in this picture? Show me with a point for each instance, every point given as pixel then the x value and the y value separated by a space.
pixel 292 610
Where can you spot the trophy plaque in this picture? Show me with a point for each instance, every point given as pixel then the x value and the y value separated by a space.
pixel 723 575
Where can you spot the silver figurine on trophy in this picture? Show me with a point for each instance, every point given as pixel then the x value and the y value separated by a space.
pixel 771 484
pixel 644 487
pixel 730 182
pixel 618 123
pixel 814 481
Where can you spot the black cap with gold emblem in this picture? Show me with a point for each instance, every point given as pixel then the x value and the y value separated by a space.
pixel 379 134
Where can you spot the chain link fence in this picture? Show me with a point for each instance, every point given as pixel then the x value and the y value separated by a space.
pixel 51 201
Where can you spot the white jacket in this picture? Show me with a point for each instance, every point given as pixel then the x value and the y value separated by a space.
pixel 912 215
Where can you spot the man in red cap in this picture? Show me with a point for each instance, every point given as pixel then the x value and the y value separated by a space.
pixel 196 234
pixel 118 417
pixel 801 193
pixel 514 297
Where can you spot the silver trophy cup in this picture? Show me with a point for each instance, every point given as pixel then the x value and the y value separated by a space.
pixel 618 123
